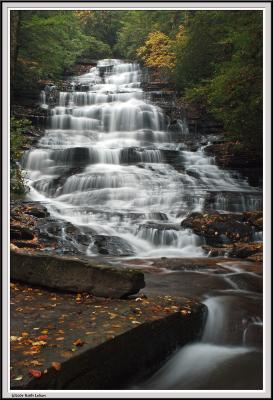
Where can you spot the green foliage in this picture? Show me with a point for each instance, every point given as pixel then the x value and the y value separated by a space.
pixel 219 65
pixel 136 26
pixel 102 24
pixel 235 93
pixel 49 42
pixel 199 47
pixel 96 49
pixel 18 127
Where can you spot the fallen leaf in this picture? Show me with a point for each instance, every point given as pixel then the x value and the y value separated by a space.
pixel 44 331
pixel 60 338
pixel 18 378
pixel 35 373
pixel 39 343
pixel 35 362
pixel 78 342
pixel 14 338
pixel 42 337
pixel 56 365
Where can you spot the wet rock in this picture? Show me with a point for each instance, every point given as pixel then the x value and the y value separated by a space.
pixel 238 157
pixel 244 250
pixel 18 232
pixel 112 246
pixel 37 210
pixel 160 226
pixel 251 251
pixel 246 281
pixel 74 275
pixel 234 201
pixel 254 218
pixel 33 228
pixel 219 228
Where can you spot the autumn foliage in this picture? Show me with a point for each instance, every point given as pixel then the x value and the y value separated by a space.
pixel 157 51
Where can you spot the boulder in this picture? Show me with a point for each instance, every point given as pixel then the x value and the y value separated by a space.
pixel 74 274
pixel 111 246
pixel 219 228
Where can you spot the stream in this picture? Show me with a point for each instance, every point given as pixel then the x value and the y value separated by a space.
pixel 111 164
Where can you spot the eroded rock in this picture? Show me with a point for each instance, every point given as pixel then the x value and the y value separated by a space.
pixel 74 274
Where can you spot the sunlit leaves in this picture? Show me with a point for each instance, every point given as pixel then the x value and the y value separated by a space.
pixel 157 51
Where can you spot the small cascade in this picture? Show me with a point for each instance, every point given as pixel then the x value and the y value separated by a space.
pixel 110 149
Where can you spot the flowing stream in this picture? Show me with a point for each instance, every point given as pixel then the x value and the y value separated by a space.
pixel 110 164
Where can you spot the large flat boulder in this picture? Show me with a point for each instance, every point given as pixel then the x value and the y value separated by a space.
pixel 81 342
pixel 74 274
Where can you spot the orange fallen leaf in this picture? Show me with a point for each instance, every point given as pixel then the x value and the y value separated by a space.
pixel 35 373
pixel 56 365
pixel 42 337
pixel 78 342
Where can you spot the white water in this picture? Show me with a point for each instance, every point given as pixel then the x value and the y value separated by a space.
pixel 103 165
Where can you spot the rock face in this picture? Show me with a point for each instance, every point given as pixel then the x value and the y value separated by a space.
pixel 75 275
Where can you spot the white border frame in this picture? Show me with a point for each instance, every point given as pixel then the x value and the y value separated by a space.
pixel 266 8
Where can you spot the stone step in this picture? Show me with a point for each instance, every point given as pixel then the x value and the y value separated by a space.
pixel 81 342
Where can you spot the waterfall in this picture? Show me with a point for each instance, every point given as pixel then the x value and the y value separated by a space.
pixel 108 148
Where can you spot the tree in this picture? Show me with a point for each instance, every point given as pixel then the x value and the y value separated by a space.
pixel 157 51
pixel 49 42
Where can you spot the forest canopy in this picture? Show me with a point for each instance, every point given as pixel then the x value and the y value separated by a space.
pixel 213 58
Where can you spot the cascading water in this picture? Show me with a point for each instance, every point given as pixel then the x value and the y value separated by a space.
pixel 106 164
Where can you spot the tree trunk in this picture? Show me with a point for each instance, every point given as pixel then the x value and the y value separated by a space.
pixel 14 33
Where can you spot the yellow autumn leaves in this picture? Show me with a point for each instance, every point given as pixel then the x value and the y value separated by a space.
pixel 158 50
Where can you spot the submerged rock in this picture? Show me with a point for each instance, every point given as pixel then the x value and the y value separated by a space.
pixel 74 275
